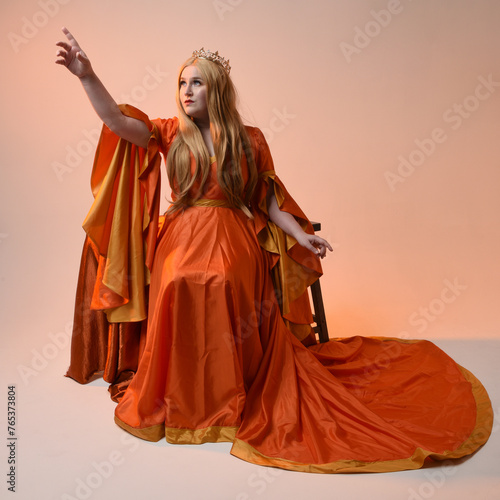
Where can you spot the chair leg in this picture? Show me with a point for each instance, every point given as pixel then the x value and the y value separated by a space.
pixel 319 312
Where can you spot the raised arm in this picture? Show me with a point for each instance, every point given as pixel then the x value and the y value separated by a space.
pixel 288 223
pixel 72 56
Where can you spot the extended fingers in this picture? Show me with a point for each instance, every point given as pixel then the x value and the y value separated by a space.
pixel 322 251
pixel 64 45
pixel 323 243
pixel 314 245
pixel 63 52
pixel 63 56
pixel 70 37
pixel 320 245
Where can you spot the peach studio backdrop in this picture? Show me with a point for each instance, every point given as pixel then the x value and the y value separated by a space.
pixel 383 120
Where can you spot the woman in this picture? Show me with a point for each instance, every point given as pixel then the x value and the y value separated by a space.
pixel 221 359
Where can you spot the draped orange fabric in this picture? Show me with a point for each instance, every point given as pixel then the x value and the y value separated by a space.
pixel 220 357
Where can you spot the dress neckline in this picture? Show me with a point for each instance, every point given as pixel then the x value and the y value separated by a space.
pixel 212 159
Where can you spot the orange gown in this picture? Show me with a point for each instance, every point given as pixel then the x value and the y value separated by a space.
pixel 203 328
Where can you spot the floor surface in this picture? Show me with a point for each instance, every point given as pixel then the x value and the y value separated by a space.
pixel 69 448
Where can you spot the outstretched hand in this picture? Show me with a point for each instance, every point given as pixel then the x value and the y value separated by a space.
pixel 314 243
pixel 73 57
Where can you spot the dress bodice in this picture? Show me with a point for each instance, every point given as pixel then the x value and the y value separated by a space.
pixel 212 189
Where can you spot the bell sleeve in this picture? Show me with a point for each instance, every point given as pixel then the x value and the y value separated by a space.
pixel 293 267
pixel 123 220
pixel 111 299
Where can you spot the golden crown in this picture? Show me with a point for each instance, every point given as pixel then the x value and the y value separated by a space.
pixel 213 56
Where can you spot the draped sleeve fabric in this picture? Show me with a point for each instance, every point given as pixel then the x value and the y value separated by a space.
pixel 123 220
pixel 293 267
pixel 108 325
pixel 165 130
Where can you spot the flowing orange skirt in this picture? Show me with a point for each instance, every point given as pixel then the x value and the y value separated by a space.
pixel 215 360
pixel 220 365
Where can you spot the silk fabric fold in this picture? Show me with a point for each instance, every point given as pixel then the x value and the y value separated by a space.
pixel 200 321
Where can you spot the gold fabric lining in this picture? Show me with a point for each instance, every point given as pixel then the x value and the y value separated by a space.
pixel 213 434
pixel 246 452
pixel 125 233
pixel 206 202
pixel 292 275
pixel 122 222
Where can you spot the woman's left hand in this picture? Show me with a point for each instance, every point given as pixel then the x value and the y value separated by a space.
pixel 314 243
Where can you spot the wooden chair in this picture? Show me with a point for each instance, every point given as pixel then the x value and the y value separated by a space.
pixel 319 316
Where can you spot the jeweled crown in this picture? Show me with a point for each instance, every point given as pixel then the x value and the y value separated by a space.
pixel 213 56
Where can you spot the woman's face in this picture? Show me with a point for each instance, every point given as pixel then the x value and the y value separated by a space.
pixel 193 93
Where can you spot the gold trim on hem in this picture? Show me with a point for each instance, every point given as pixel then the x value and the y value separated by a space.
pixel 213 434
pixel 484 419
pixel 246 452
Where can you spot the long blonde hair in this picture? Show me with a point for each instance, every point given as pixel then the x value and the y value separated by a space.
pixel 230 139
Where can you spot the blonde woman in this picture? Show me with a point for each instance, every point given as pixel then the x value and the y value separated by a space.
pixel 208 304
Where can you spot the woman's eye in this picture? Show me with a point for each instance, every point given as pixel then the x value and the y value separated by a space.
pixel 195 82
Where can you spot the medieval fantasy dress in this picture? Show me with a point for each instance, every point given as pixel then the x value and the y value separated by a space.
pixel 200 320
